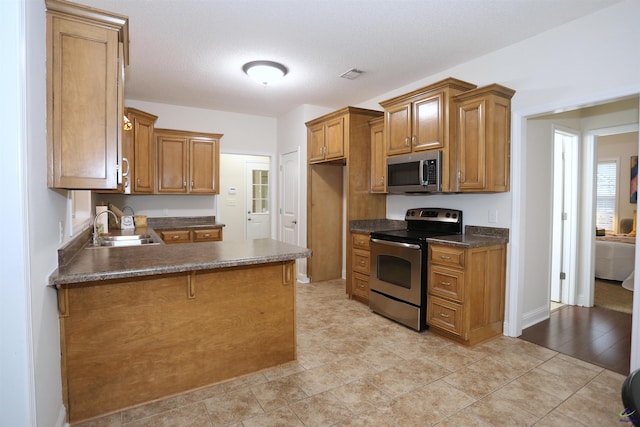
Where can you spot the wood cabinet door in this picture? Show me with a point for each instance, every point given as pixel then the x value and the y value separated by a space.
pixel 172 163
pixel 203 170
pixel 83 127
pixel 334 139
pixel 428 123
pixel 378 160
pixel 316 143
pixel 470 139
pixel 397 129
pixel 143 162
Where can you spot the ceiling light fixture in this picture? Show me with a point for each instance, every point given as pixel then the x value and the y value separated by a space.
pixel 265 72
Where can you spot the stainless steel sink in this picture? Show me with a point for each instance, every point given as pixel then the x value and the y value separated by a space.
pixel 125 240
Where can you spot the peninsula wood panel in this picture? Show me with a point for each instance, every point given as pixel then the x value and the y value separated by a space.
pixel 132 341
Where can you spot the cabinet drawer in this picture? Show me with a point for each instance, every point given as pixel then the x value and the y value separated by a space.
pixel 360 286
pixel 446 283
pixel 208 235
pixel 360 261
pixel 360 241
pixel 176 236
pixel 446 255
pixel 444 314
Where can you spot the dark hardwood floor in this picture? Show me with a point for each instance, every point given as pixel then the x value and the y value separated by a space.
pixel 596 335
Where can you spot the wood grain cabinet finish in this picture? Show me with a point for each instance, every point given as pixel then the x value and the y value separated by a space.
pixel 195 235
pixel 483 137
pixel 133 341
pixel 140 150
pixel 188 162
pixel 420 121
pixel 338 178
pixel 326 140
pixel 466 291
pixel 87 50
pixel 360 267
pixel 378 157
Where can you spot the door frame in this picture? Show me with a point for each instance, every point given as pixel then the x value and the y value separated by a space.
pixel 515 291
pixel 565 202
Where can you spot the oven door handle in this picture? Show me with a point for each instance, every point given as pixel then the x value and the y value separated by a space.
pixel 399 244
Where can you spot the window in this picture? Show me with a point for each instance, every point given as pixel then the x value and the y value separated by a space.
pixel 606 194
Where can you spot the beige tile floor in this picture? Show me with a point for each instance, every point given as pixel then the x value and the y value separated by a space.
pixel 356 368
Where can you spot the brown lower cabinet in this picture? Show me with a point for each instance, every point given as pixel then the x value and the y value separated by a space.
pixel 360 267
pixel 466 291
pixel 130 341
pixel 191 235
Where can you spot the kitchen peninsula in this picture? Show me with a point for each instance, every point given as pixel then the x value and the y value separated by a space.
pixel 142 323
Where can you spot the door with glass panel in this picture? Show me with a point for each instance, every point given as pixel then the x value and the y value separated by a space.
pixel 258 219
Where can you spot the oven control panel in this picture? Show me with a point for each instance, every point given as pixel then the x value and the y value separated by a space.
pixel 433 214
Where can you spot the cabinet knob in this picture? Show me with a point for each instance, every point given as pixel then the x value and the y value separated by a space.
pixel 184 184
pixel 406 142
pixel 192 183
pixel 382 180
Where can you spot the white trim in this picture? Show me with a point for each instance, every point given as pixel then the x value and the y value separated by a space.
pixel 18 391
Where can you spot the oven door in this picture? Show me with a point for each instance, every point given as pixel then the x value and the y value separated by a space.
pixel 396 270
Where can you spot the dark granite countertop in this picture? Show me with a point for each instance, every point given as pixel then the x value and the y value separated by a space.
pixel 96 264
pixel 367 226
pixel 474 237
pixel 78 262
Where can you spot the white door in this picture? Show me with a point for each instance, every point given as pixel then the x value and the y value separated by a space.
pixel 565 208
pixel 258 219
pixel 289 198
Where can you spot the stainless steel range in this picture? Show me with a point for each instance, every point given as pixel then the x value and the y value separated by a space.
pixel 399 264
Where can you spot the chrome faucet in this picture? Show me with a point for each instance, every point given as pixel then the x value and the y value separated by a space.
pixel 95 231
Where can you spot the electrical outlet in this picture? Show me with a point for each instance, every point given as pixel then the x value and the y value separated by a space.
pixel 493 216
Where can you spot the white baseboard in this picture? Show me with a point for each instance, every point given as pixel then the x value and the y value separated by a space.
pixel 302 278
pixel 535 316
pixel 62 417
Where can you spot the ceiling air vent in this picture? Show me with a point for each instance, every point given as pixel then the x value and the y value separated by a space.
pixel 351 74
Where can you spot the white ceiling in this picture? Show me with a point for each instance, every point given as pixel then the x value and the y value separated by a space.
pixel 190 52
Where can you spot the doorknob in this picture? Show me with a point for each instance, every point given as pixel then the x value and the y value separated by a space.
pixel 294 222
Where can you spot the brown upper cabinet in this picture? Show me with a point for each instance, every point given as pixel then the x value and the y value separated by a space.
pixel 87 50
pixel 420 121
pixel 326 140
pixel 188 162
pixel 483 138
pixel 378 158
pixel 139 153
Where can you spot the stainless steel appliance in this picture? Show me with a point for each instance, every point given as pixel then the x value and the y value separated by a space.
pixel 398 279
pixel 415 173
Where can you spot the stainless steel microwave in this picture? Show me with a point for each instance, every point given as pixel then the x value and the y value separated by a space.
pixel 415 173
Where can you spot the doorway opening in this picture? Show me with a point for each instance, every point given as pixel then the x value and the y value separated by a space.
pixel 246 196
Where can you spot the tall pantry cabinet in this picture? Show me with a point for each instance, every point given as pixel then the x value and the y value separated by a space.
pixel 87 50
pixel 339 171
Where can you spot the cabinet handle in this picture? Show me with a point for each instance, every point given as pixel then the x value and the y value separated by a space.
pixel 192 183
pixel 445 283
pixel 175 237
pixel 445 257
pixel 361 262
pixel 125 161
pixel 207 235
pixel 413 140
pixel 184 184
pixel 138 181
pixel 382 180
pixel 406 142
pixel 446 316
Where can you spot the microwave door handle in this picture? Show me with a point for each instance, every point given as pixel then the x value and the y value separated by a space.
pixel 423 163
